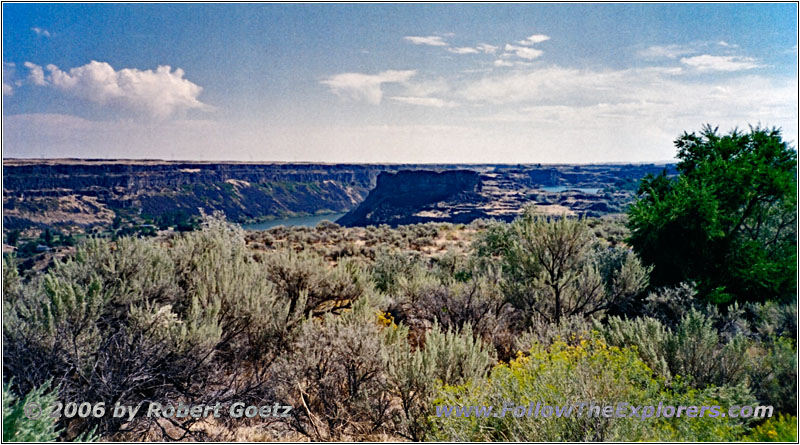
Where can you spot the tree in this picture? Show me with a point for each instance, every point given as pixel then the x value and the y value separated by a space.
pixel 47 238
pixel 727 221
pixel 13 237
pixel 555 268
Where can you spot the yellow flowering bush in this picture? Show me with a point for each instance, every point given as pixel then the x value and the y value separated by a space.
pixel 588 372
pixel 776 429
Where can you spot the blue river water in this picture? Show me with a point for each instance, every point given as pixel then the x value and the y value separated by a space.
pixel 308 221
pixel 561 188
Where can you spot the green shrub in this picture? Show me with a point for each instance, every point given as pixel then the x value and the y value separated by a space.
pixel 728 221
pixel 782 428
pixel 694 350
pixel 647 335
pixel 587 372
pixel 12 283
pixel 555 268
pixel 773 374
pixel 336 379
pixel 17 427
pixel 448 357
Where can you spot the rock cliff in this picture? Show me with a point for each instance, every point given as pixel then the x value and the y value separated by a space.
pixel 77 194
pixel 398 197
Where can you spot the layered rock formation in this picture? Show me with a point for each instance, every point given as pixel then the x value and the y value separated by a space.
pixel 461 196
pixel 86 193
pixel 398 198
pixel 79 194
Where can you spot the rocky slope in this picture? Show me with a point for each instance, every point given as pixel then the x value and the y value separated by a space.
pixel 72 193
pixel 461 196
pixel 75 195
pixel 399 197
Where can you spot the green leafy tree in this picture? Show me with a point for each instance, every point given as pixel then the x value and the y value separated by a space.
pixel 727 221
pixel 13 237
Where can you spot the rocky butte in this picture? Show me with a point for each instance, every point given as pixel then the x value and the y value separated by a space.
pixel 461 196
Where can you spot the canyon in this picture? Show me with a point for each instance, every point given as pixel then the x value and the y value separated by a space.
pixel 79 195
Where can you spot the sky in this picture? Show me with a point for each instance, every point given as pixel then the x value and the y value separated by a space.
pixel 419 83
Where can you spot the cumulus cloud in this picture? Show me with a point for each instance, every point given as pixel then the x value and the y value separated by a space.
pixel 502 63
pixel 666 51
pixel 427 40
pixel 36 74
pixel 41 32
pixel 8 75
pixel 463 50
pixel 366 87
pixel 158 93
pixel 523 51
pixel 708 62
pixel 536 38
pixel 424 101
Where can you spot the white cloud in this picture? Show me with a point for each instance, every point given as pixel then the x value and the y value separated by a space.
pixel 486 48
pixel 523 51
pixel 612 103
pixel 708 62
pixel 8 75
pixel 727 45
pixel 536 38
pixel 158 94
pixel 41 32
pixel 428 40
pixel 566 86
pixel 666 51
pixel 366 87
pixel 551 114
pixel 424 101
pixel 501 62
pixel 36 74
pixel 463 50
pixel 428 88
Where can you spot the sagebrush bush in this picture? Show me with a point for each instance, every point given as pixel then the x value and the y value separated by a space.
pixel 12 283
pixel 555 268
pixel 694 350
pixel 649 336
pixel 697 352
pixel 361 329
pixel 138 319
pixel 570 330
pixel 773 374
pixel 336 377
pixel 449 357
pixel 773 319
pixel 17 427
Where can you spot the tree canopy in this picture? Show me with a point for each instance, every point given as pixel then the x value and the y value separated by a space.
pixel 727 221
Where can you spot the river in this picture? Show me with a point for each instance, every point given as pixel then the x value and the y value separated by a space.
pixel 307 221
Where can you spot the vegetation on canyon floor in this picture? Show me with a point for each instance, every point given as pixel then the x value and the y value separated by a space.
pixel 365 330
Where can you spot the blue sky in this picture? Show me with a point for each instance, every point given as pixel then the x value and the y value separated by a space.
pixel 391 82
